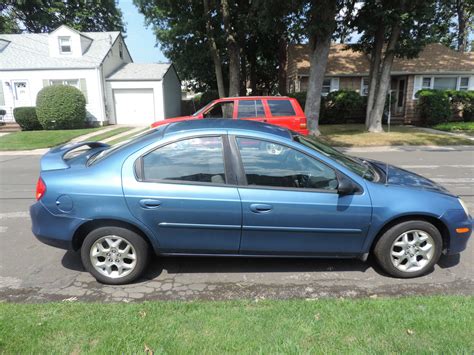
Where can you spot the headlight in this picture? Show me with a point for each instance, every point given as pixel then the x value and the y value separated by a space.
pixel 464 206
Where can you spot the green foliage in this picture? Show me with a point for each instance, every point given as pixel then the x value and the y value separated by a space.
pixel 61 107
pixel 46 15
pixel 26 118
pixel 434 106
pixel 343 106
pixel 300 97
pixel 462 103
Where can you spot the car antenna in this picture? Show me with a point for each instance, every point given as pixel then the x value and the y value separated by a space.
pixel 386 173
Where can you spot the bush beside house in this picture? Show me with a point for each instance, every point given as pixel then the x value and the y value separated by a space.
pixel 440 106
pixel 61 107
pixel 26 118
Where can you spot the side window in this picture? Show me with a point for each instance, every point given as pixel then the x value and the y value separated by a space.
pixel 270 164
pixel 281 108
pixel 221 110
pixel 195 159
pixel 250 108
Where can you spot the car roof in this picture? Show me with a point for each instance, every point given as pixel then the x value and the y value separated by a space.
pixel 226 124
pixel 252 98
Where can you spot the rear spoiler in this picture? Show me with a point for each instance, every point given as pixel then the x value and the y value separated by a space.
pixel 54 159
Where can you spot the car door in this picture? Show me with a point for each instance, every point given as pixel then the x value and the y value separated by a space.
pixel 181 192
pixel 291 205
pixel 251 110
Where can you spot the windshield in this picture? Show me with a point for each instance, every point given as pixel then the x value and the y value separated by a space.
pixel 356 165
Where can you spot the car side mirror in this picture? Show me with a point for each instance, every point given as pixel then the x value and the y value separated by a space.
pixel 346 186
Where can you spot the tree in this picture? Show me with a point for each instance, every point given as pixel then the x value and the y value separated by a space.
pixel 391 28
pixel 456 21
pixel 223 44
pixel 45 15
pixel 321 25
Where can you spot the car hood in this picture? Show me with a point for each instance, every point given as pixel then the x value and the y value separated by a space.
pixel 402 177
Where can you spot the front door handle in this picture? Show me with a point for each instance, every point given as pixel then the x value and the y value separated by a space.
pixel 260 207
pixel 149 203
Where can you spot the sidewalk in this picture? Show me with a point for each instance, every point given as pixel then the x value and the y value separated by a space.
pixel 452 134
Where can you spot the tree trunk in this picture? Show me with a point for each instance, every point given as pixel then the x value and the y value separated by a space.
pixel 214 51
pixel 318 62
pixel 243 76
pixel 282 61
pixel 462 33
pixel 233 50
pixel 375 59
pixel 375 124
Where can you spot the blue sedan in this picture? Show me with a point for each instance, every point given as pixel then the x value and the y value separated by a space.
pixel 239 188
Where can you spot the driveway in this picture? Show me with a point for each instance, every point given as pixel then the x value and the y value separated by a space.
pixel 33 272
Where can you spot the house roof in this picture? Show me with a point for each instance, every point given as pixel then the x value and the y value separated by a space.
pixel 138 71
pixel 31 51
pixel 343 61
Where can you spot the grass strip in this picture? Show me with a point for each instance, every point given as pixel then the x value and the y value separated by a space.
pixel 355 135
pixel 26 140
pixel 440 324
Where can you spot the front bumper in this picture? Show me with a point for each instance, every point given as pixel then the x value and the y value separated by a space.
pixel 54 230
pixel 455 219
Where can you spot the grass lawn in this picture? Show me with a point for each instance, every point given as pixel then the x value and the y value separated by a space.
pixel 40 139
pixel 443 324
pixel 456 127
pixel 108 134
pixel 355 135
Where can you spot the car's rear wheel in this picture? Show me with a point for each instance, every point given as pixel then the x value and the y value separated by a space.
pixel 409 249
pixel 114 255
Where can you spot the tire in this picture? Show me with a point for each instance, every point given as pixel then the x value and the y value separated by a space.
pixel 121 257
pixel 396 254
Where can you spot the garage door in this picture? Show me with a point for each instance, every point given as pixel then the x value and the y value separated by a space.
pixel 134 106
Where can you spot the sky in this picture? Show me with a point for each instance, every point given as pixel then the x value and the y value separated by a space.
pixel 140 40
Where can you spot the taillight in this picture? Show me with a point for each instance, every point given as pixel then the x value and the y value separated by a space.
pixel 303 122
pixel 40 189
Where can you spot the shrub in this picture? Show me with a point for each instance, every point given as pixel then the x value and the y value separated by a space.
pixel 26 118
pixel 434 106
pixel 300 97
pixel 462 103
pixel 61 107
pixel 343 106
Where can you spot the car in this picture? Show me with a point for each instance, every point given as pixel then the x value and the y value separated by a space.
pixel 278 110
pixel 239 188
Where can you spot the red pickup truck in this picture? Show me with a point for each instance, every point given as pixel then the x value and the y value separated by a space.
pixel 278 110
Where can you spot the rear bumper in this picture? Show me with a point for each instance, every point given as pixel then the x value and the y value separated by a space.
pixel 54 230
pixel 455 219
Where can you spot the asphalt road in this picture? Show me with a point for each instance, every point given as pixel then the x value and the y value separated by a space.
pixel 33 272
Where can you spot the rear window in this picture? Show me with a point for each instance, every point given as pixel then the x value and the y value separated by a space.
pixel 281 108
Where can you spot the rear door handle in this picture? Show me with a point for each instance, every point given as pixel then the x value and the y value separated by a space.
pixel 149 203
pixel 260 207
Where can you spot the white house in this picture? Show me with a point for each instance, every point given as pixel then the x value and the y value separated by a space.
pixel 117 90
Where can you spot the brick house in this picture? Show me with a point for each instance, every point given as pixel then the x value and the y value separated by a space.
pixel 436 67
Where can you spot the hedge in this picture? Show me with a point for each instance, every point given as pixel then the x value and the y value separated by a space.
pixel 61 107
pixel 26 118
pixel 438 106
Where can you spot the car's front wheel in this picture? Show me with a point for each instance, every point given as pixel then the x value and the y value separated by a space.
pixel 409 249
pixel 114 255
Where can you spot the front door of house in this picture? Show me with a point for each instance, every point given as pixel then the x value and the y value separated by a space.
pixel 400 104
pixel 21 93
